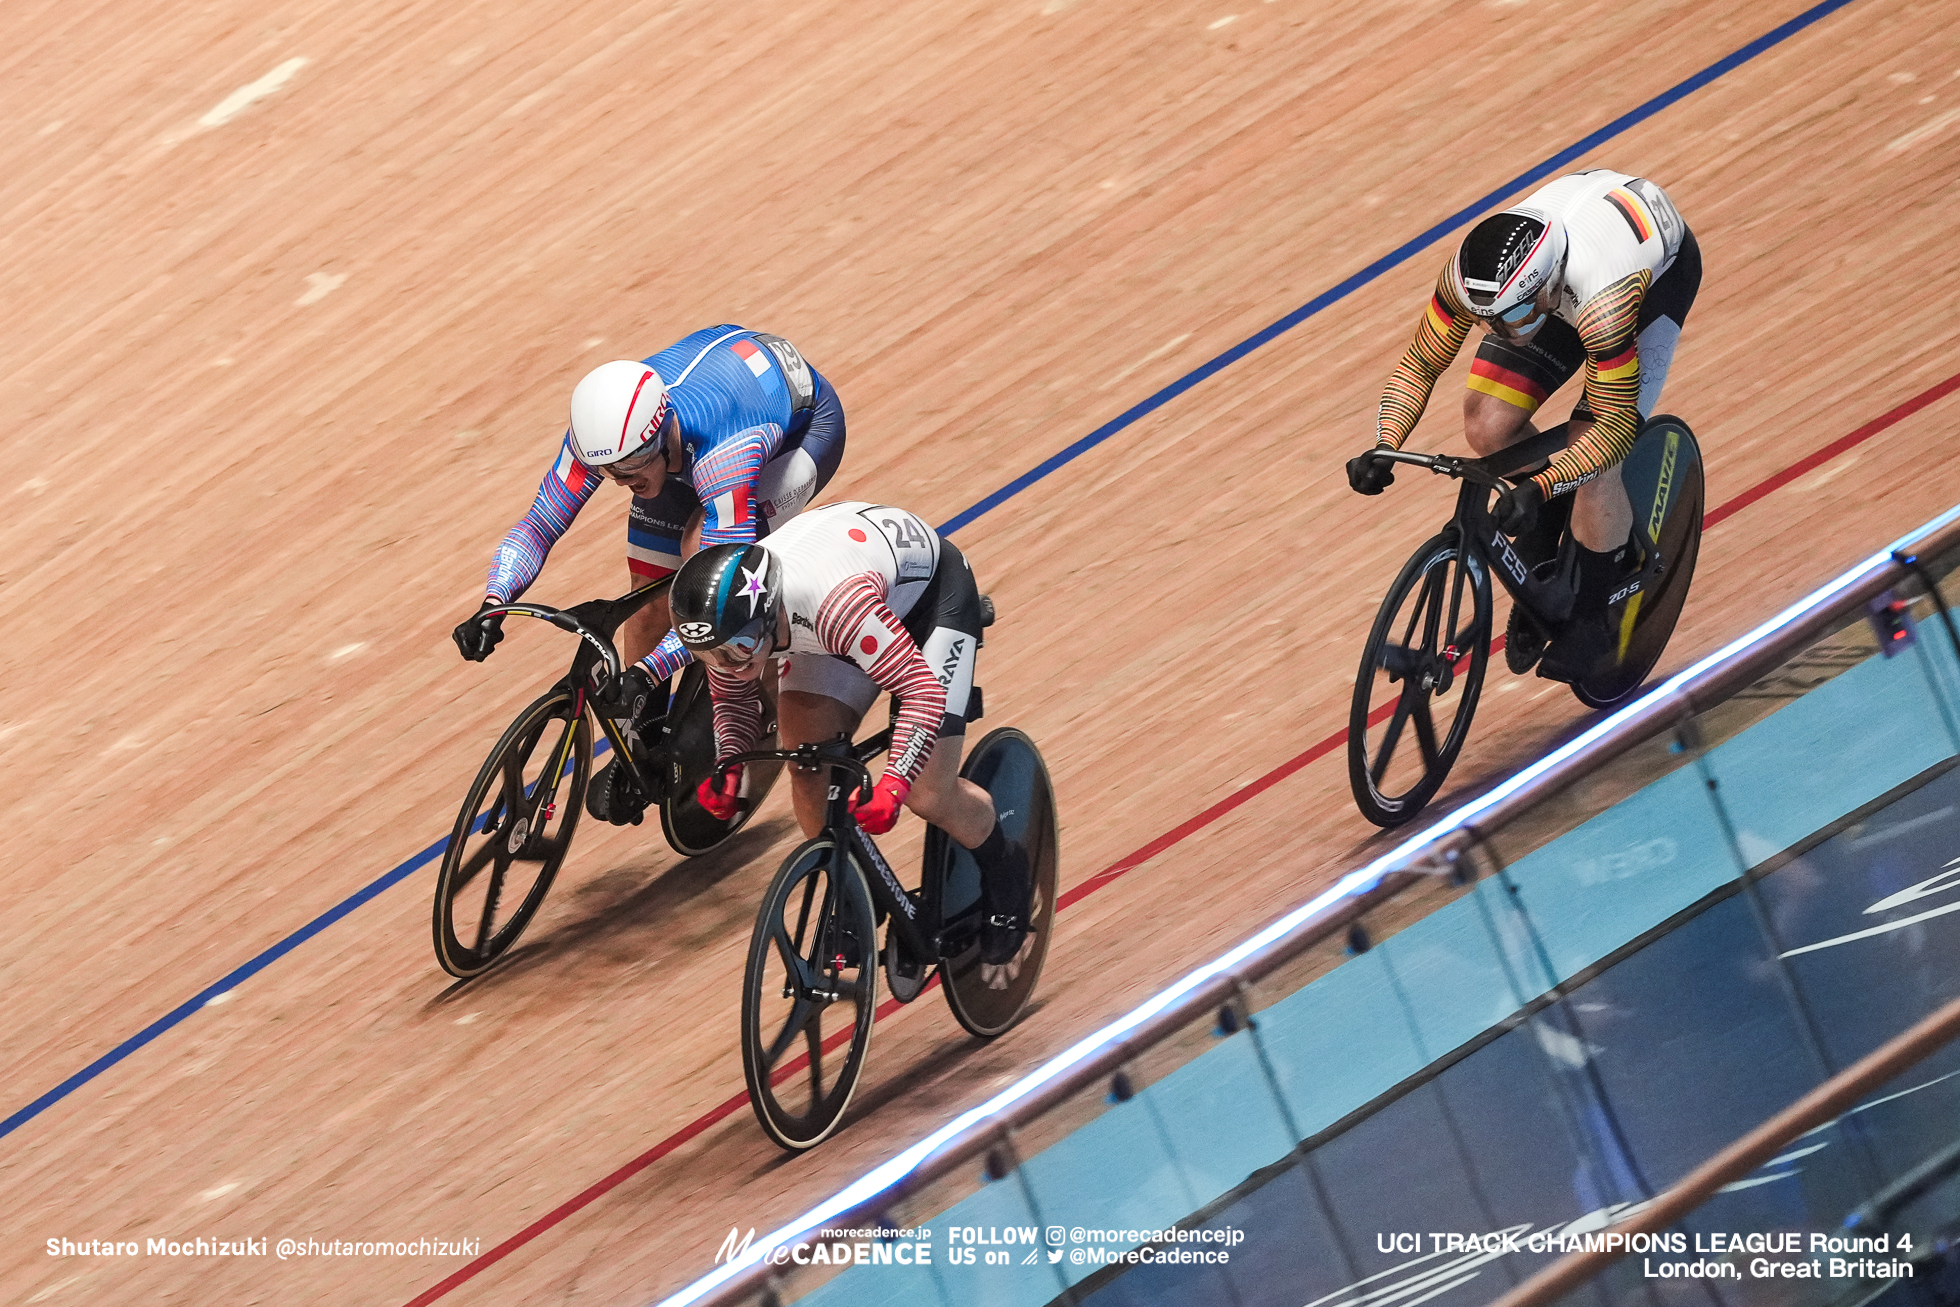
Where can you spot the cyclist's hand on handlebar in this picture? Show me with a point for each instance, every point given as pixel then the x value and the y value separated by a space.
pixel 880 813
pixel 629 693
pixel 476 635
pixel 1369 475
pixel 719 794
pixel 1517 507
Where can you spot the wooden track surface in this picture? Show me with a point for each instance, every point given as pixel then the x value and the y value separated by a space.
pixel 273 388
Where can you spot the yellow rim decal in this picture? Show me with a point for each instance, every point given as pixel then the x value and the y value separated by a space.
pixel 1665 489
pixel 1626 622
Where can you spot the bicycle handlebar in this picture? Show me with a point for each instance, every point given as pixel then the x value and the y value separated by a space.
pixel 1466 469
pixel 564 621
pixel 593 621
pixel 811 756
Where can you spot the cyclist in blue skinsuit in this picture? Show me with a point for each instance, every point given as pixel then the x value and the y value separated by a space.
pixel 726 426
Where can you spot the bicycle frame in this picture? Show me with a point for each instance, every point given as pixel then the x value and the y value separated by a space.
pixel 595 666
pixel 916 920
pixel 1548 599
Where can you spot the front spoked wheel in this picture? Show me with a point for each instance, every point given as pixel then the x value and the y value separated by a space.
pixel 514 830
pixel 809 995
pixel 1421 673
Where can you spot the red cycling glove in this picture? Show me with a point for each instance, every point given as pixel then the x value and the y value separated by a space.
pixel 718 795
pixel 881 813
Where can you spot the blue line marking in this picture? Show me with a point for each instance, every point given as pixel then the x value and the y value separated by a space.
pixel 228 983
pixel 1570 154
pixel 988 504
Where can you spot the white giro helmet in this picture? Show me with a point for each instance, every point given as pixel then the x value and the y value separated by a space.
pixel 616 410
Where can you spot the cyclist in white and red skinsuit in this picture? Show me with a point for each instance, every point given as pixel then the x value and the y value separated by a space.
pixel 856 599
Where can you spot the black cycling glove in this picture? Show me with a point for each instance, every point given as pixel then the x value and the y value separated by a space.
pixel 1517 507
pixel 477 635
pixel 1369 475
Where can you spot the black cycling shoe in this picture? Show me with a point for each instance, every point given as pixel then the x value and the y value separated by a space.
pixel 1584 648
pixel 1523 641
pixel 614 796
pixel 1007 898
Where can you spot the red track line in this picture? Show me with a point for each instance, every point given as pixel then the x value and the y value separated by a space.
pixel 1130 862
pixel 573 1204
pixel 1832 450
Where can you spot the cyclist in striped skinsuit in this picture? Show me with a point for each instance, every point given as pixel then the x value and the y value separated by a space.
pixel 727 429
pixel 856 599
pixel 1596 272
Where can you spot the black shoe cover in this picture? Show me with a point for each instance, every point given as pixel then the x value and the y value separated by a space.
pixel 1006 896
pixel 1582 649
pixel 614 796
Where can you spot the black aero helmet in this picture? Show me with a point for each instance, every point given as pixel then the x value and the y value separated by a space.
pixel 1509 268
pixel 727 596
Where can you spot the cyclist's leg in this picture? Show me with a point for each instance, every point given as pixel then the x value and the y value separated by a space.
pixel 1509 381
pixel 946 621
pixel 812 449
pixel 818 699
pixel 1602 517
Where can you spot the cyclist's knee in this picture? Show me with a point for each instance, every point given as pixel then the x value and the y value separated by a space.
pixel 1489 423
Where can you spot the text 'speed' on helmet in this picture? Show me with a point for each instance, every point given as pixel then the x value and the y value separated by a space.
pixel 724 592
pixel 1508 259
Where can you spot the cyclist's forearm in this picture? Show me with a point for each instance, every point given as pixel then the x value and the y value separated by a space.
pixel 738 712
pixel 1612 393
pixel 1439 336
pixel 563 492
pixel 725 482
pixel 922 703
pixel 1607 327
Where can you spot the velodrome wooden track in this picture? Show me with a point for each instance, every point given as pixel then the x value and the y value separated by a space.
pixel 271 389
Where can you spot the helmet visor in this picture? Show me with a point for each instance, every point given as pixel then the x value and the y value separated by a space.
pixel 638 461
pixel 1522 320
pixel 742 648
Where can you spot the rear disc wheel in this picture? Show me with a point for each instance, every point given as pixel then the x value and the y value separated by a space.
pixel 985 998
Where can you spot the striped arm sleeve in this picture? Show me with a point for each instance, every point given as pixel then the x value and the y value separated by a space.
pixel 1444 327
pixel 738 712
pixel 521 556
pixel 853 622
pixel 1608 327
pixel 724 480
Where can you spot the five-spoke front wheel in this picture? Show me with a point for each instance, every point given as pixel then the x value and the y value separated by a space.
pixel 512 833
pixel 1420 676
pixel 809 995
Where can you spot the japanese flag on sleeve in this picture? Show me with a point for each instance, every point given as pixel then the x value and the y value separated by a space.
pixel 873 639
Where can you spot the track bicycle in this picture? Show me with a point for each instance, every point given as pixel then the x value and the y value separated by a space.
pixel 1425 657
pixel 810 989
pixel 517 821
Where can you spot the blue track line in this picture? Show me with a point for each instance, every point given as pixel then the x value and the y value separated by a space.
pixel 1395 258
pixel 1201 373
